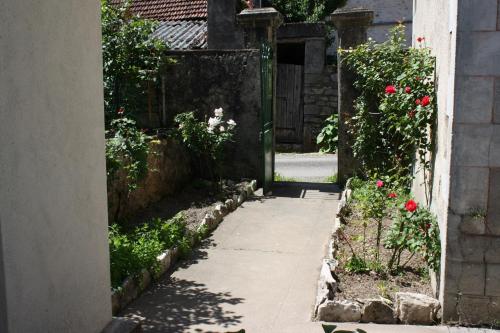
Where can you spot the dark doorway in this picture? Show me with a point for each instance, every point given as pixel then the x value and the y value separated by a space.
pixel 289 96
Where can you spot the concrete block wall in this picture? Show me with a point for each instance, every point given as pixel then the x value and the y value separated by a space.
pixel 465 38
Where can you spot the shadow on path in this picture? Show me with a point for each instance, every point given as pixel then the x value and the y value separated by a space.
pixel 175 305
pixel 302 190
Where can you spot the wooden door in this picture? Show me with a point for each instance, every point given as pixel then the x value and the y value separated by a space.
pixel 289 106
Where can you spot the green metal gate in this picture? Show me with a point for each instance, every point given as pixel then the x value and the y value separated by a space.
pixel 267 131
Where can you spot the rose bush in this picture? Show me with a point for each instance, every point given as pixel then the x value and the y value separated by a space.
pixel 395 109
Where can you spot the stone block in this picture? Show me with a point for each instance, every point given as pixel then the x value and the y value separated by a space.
pixel 496 111
pixel 493 218
pixel 230 204
pixel 469 189
pixel 466 278
pixel 339 311
pixel 492 254
pixel 474 99
pixel 413 308
pixel 493 280
pixel 470 61
pixel 495 147
pixel 471 145
pixel 477 18
pixel 377 311
pixel 473 225
pixel 473 310
pixel 315 56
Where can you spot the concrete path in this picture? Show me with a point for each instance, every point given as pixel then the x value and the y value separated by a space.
pixel 315 168
pixel 257 272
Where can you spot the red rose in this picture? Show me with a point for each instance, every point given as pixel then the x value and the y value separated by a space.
pixel 418 101
pixel 380 183
pixel 407 90
pixel 420 39
pixel 426 101
pixel 411 206
pixel 392 195
pixel 411 114
pixel 390 90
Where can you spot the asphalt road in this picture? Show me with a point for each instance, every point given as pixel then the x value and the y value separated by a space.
pixel 314 168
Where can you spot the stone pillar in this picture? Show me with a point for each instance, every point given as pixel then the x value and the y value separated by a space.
pixel 223 32
pixel 260 25
pixel 54 262
pixel 351 26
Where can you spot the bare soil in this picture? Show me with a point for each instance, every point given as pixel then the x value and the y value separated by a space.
pixel 194 201
pixel 413 277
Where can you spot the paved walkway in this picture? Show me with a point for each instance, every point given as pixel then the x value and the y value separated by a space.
pixel 314 167
pixel 257 272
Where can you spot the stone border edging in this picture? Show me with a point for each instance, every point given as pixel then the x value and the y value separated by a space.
pixel 409 308
pixel 132 287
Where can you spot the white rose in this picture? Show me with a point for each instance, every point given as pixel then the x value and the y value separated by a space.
pixel 222 129
pixel 213 122
pixel 231 123
pixel 219 112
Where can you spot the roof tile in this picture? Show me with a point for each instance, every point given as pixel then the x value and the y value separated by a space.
pixel 168 10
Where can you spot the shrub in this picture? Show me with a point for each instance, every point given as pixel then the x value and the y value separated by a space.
pixel 127 149
pixel 134 251
pixel 395 109
pixel 327 139
pixel 414 229
pixel 206 141
pixel 305 10
pixel 131 58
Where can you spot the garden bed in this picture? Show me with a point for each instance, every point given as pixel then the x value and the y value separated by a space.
pixel 150 244
pixel 359 283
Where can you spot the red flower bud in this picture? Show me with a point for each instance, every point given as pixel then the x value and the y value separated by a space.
pixel 426 101
pixel 121 110
pixel 420 39
pixel 411 114
pixel 380 183
pixel 390 90
pixel 411 206
pixel 392 195
pixel 407 90
pixel 418 101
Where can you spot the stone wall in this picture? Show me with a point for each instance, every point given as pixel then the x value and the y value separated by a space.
pixel 169 166
pixel 202 81
pixel 466 178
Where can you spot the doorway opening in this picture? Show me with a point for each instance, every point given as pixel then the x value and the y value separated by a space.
pixel 297 157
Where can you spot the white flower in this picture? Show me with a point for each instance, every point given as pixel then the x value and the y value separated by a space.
pixel 222 129
pixel 213 122
pixel 231 123
pixel 219 112
pixel 210 130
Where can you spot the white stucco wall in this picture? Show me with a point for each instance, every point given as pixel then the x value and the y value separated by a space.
pixel 53 210
pixel 387 13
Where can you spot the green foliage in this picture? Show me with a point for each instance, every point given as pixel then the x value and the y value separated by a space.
pixel 356 264
pixel 389 129
pixel 328 138
pixel 206 141
pixel 306 10
pixel 131 58
pixel 132 252
pixel 280 178
pixel 417 232
pixel 127 149
pixel 331 179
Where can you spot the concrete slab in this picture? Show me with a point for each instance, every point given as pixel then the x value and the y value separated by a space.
pixel 257 272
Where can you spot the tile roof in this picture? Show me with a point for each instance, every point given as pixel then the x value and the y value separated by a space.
pixel 168 10
pixel 182 35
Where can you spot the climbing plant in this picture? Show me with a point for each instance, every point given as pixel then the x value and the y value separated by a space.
pixel 395 110
pixel 131 58
pixel 305 10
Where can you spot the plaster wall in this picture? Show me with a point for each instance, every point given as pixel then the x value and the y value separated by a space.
pixel 465 38
pixel 387 13
pixel 53 210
